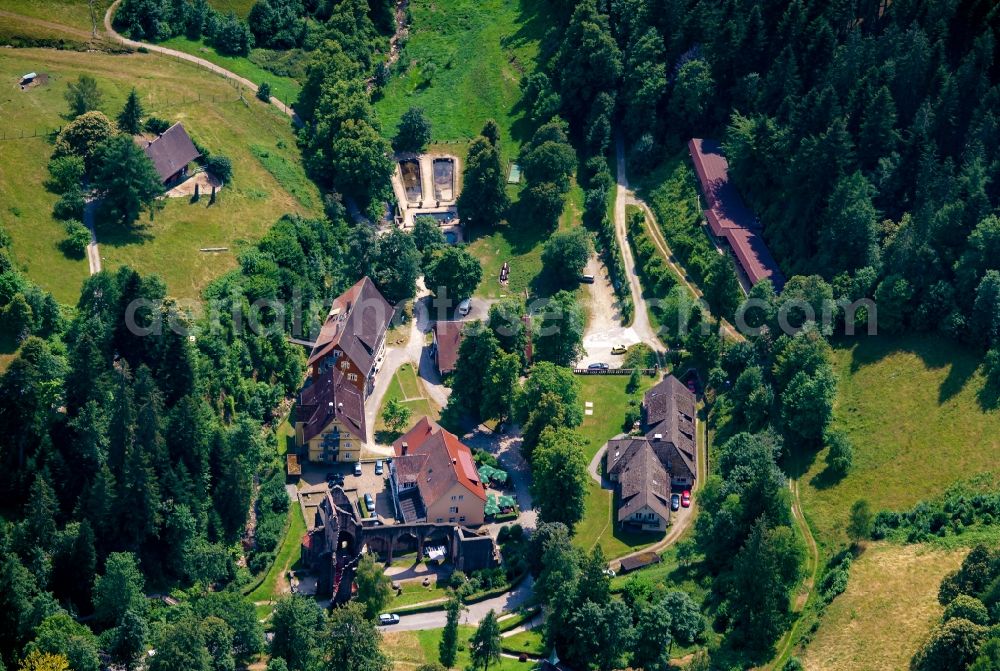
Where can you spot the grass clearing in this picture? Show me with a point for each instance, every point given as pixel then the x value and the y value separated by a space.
pixel 240 7
pixel 428 641
pixel 462 63
pixel 598 526
pixel 71 13
pixel 889 607
pixel 290 174
pixel 284 89
pixel 530 642
pixel 168 246
pixel 911 408
pixel 406 387
pixel 414 592
pixel 288 555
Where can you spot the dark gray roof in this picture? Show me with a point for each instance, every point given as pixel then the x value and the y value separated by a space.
pixel 669 410
pixel 644 484
pixel 357 324
pixel 171 151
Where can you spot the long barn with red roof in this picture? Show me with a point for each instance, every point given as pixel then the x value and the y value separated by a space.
pixel 729 219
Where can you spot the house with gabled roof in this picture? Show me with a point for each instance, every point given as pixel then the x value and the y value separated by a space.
pixel 330 419
pixel 434 479
pixel 171 152
pixel 647 467
pixel 447 339
pixel 352 338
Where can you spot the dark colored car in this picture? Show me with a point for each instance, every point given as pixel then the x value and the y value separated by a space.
pixel 675 502
pixel 598 366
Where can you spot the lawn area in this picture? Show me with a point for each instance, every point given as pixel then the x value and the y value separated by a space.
pixel 889 607
pixel 607 392
pixel 240 7
pixel 288 554
pixel 169 245
pixel 284 89
pixel 405 386
pixel 462 63
pixel 529 642
pixel 410 649
pixel 71 13
pixel 414 592
pixel 910 406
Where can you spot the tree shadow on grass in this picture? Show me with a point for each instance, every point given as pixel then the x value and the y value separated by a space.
pixel 826 478
pixel 936 351
pixel 113 235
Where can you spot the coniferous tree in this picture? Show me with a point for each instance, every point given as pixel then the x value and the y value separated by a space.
pixel 130 118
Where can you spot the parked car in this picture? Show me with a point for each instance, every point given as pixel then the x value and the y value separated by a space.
pixel 675 502
pixel 587 278
pixel 370 503
pixel 357 470
pixel 600 365
pixel 619 349
pixel 465 307
pixel 686 498
pixel 379 467
pixel 386 619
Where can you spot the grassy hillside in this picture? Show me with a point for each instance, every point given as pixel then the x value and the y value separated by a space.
pixel 410 649
pixel 911 407
pixel 462 63
pixel 169 245
pixel 888 608
pixel 71 13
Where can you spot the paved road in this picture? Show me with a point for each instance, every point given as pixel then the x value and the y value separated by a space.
pixel 473 614
pixel 201 62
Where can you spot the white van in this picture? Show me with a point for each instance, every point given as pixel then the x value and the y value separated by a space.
pixel 465 307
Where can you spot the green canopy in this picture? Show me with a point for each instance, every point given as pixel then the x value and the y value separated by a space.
pixel 506 501
pixel 488 473
pixel 491 507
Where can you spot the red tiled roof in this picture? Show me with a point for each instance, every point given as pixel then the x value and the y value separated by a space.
pixel 435 459
pixel 728 216
pixel 448 336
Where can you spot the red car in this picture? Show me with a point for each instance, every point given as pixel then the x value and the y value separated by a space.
pixel 686 499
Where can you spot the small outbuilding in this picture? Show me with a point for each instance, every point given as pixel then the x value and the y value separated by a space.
pixel 28 78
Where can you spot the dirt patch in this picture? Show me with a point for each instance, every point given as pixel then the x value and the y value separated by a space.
pixel 203 180
pixel 41 79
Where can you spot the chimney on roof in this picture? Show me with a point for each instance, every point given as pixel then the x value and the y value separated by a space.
pixel 657 437
pixel 405 447
pixel 454 461
pixel 329 407
pixel 340 406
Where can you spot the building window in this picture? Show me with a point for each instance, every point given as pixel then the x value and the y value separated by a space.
pixel 353 377
pixel 453 509
pixel 461 497
pixel 451 519
pixel 345 364
pixel 440 519
pixel 454 498
pixel 462 518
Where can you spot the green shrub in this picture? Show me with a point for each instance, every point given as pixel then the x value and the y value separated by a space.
pixel 264 92
pixel 77 239
pixel 220 166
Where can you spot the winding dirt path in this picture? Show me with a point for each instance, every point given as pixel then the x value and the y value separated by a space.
pixel 626 196
pixel 806 589
pixel 201 62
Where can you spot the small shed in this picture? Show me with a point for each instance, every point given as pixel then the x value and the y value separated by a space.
pixel 638 561
pixel 293 466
